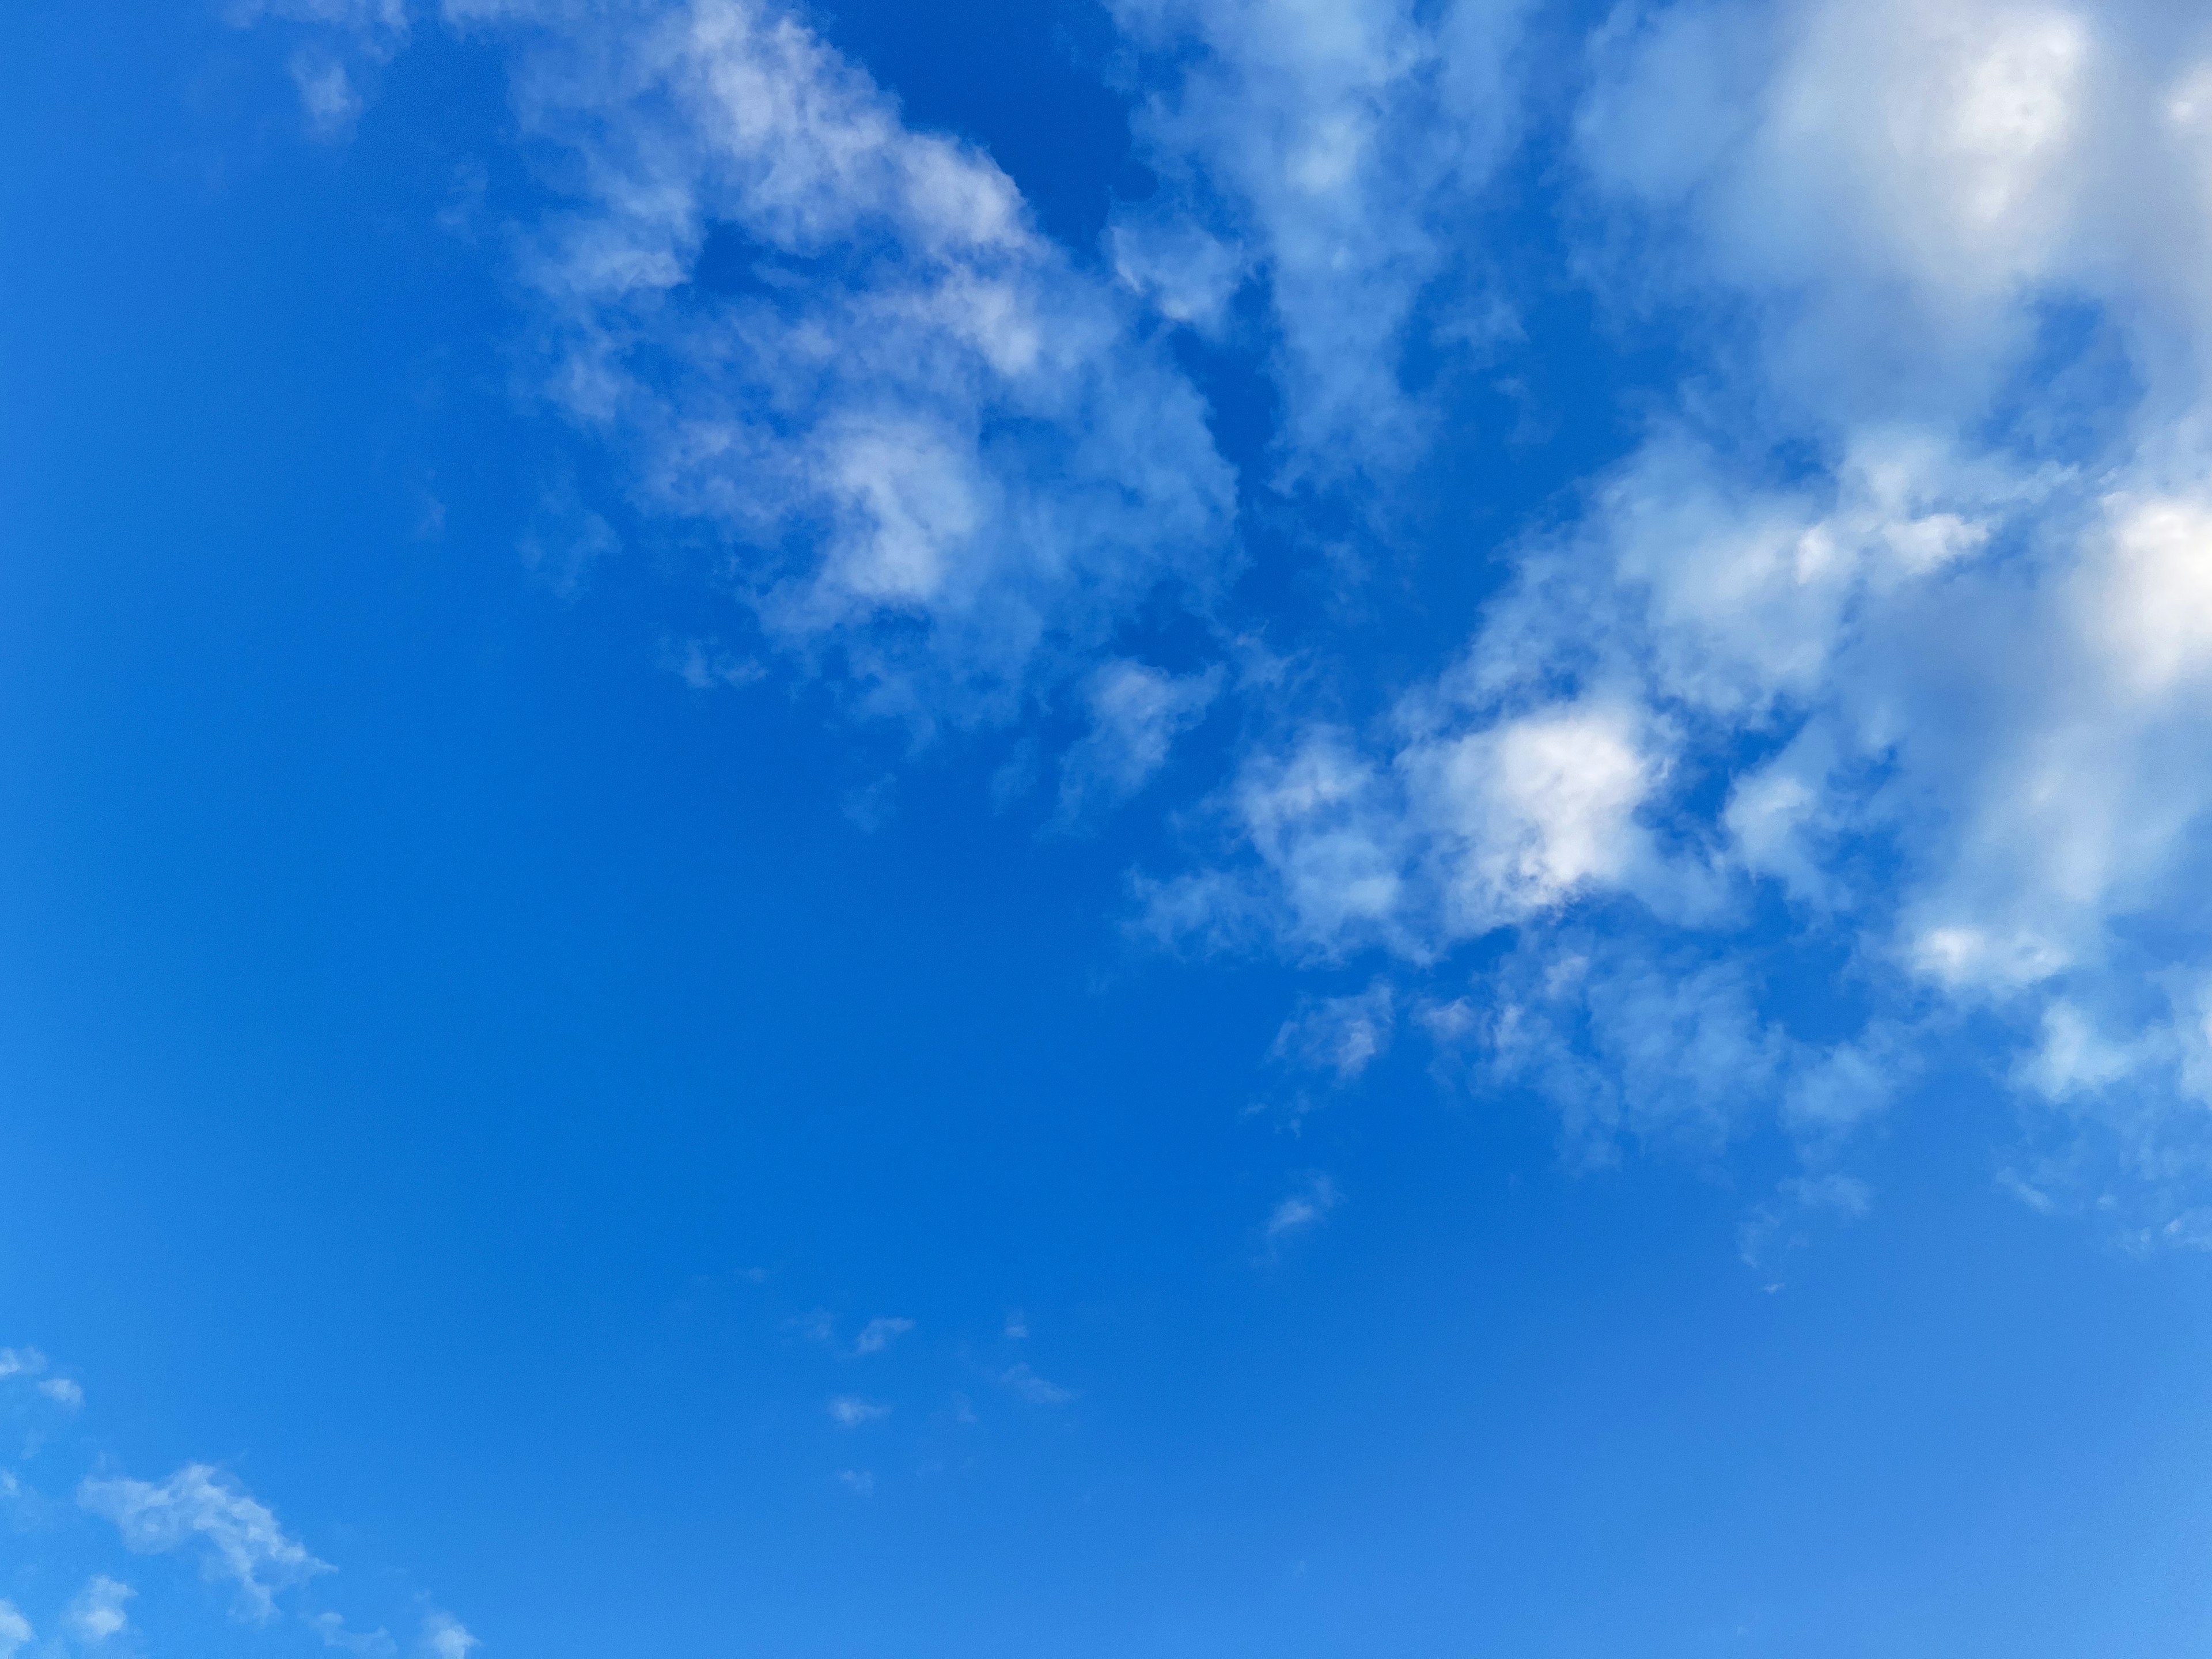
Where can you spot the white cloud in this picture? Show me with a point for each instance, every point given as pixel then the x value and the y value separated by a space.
pixel 63 1391
pixel 237 1538
pixel 1331 149
pixel 1342 1035
pixel 1329 844
pixel 445 1637
pixel 21 1361
pixel 1667 1051
pixel 1029 1386
pixel 1532 811
pixel 1900 621
pixel 879 1334
pixel 1905 618
pixel 952 463
pixel 97 1612
pixel 849 1411
pixel 1900 187
pixel 1300 1211
pixel 860 1482
pixel 1843 157
pixel 1472 822
pixel 15 1631
pixel 1137 712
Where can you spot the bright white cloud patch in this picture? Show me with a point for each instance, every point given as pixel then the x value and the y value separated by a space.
pixel 15 1631
pixel 1936 675
pixel 236 1538
pixel 1466 826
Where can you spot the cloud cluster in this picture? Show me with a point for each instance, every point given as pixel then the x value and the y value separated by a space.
pixel 946 461
pixel 1894 624
pixel 28 1363
pixel 1905 620
pixel 199 1513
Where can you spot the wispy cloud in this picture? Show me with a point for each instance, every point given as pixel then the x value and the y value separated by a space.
pixel 1342 1036
pixel 977 465
pixel 1301 1210
pixel 1137 712
pixel 1893 620
pixel 1332 156
pixel 236 1537
pixel 97 1613
pixel 1034 1390
pixel 878 1334
pixel 1904 626
pixel 849 1411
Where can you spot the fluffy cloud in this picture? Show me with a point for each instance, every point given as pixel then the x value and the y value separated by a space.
pixel 445 1637
pixel 1900 190
pixel 1458 829
pixel 15 1631
pixel 1904 620
pixel 947 462
pixel 1896 625
pixel 97 1612
pixel 237 1538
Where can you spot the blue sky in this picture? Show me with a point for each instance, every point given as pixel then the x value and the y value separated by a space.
pixel 1179 827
